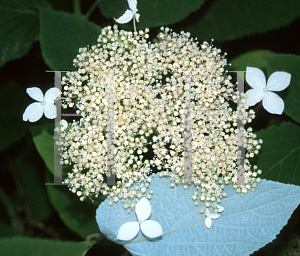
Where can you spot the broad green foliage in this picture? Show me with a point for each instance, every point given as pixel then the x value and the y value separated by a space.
pixel 291 64
pixel 43 138
pixel 32 180
pixel 19 27
pixel 7 231
pixel 279 157
pixel 77 215
pixel 153 12
pixel 24 246
pixel 15 128
pixel 227 20
pixel 254 58
pixel 62 34
pixel 246 224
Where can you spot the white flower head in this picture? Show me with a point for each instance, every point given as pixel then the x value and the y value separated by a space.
pixel 278 81
pixel 44 105
pixel 129 14
pixel 150 228
pixel 210 216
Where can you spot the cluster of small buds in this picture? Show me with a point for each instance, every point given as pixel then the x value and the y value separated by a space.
pixel 215 135
pixel 128 57
pixel 155 86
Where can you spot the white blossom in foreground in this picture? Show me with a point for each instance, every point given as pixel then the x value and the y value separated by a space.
pixel 44 105
pixel 149 228
pixel 278 81
pixel 129 14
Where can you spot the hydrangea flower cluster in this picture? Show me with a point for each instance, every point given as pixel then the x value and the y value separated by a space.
pixel 162 91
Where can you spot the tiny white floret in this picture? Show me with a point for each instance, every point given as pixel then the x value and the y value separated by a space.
pixel 278 81
pixel 44 105
pixel 64 123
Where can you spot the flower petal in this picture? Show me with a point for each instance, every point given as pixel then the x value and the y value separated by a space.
pixel 207 212
pixel 253 96
pixel 278 81
pixel 33 112
pixel 208 222
pixel 49 110
pixel 35 93
pixel 255 78
pixel 214 215
pixel 52 94
pixel 128 231
pixel 273 103
pixel 126 17
pixel 220 208
pixel 151 228
pixel 143 209
pixel 132 4
pixel 137 16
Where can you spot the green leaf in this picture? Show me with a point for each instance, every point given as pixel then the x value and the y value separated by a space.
pixel 37 247
pixel 227 20
pixel 7 230
pixel 43 137
pixel 251 59
pixel 279 157
pixel 77 215
pixel 62 34
pixel 153 12
pixel 12 106
pixel 31 178
pixel 19 27
pixel 291 64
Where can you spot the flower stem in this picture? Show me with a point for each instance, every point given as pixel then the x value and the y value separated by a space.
pixel 92 9
pixel 76 7
pixel 134 23
pixel 8 205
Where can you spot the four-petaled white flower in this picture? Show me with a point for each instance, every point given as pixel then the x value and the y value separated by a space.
pixel 150 228
pixel 44 105
pixel 129 14
pixel 210 216
pixel 278 81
